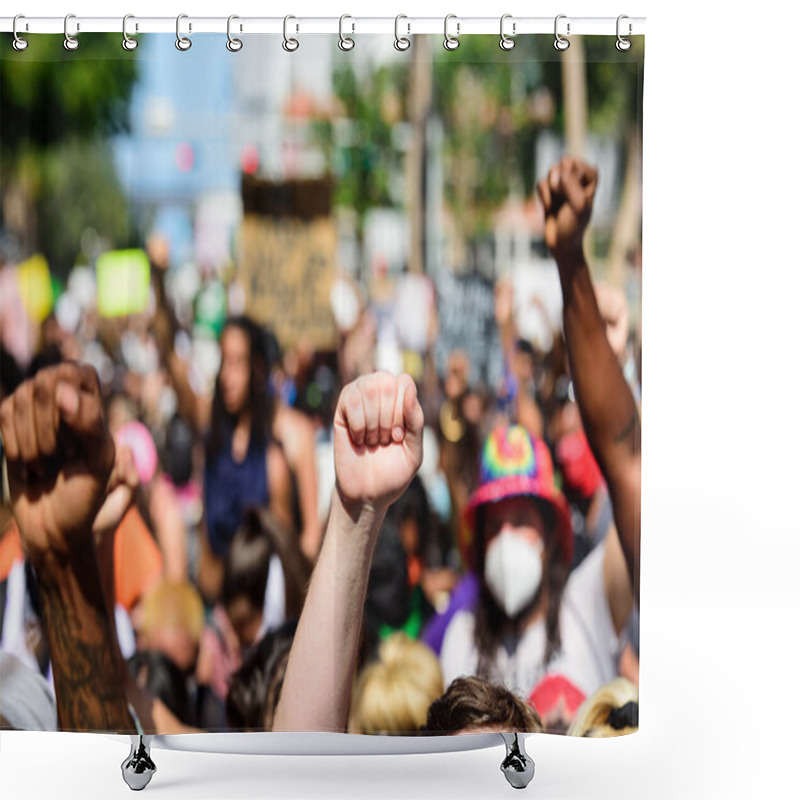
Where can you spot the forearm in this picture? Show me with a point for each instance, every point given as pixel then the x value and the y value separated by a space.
pixel 608 409
pixel 319 675
pixel 607 406
pixel 88 672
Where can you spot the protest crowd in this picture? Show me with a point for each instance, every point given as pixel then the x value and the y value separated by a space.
pixel 281 539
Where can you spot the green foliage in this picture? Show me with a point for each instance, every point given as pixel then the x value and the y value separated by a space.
pixel 492 104
pixel 360 144
pixel 57 109
pixel 79 190
pixel 48 94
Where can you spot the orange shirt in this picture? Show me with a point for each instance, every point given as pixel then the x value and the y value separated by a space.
pixel 137 560
pixel 10 548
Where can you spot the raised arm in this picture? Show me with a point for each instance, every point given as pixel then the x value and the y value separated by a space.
pixel 196 408
pixel 377 450
pixel 607 406
pixel 60 456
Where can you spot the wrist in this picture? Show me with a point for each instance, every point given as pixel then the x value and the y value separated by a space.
pixel 363 513
pixel 60 569
pixel 570 258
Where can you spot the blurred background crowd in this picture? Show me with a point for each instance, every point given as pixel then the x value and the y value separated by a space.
pixel 228 240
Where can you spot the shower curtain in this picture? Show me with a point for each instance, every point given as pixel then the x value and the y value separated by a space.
pixel 214 260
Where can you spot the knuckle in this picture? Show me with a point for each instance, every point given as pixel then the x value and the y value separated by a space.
pixel 41 389
pixel 351 399
pixel 369 388
pixel 22 398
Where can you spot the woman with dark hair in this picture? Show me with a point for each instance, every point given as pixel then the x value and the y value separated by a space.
pixel 532 617
pixel 244 467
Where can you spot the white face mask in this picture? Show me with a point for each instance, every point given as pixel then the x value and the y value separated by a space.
pixel 513 571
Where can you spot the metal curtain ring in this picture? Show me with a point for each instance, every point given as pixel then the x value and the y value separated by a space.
pixel 451 42
pixel 289 45
pixel 561 43
pixel 127 42
pixel 401 43
pixel 70 42
pixel 233 44
pixel 506 42
pixel 19 43
pixel 182 42
pixel 623 44
pixel 345 42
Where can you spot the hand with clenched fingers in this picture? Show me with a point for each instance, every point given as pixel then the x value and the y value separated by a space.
pixel 377 439
pixel 567 194
pixel 60 455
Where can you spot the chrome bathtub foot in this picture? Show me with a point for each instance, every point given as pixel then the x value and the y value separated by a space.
pixel 138 768
pixel 518 766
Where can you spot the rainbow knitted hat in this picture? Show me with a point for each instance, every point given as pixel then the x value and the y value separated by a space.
pixel 513 465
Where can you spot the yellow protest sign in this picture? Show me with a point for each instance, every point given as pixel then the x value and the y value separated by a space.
pixel 35 287
pixel 123 282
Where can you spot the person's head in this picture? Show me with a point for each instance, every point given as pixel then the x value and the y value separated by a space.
pixel 412 515
pixel 517 536
pixel 259 537
pixel 154 671
pixel 242 384
pixel 525 361
pixel 613 710
pixel 474 705
pixel 172 621
pixel 256 686
pixel 392 695
pixel 245 365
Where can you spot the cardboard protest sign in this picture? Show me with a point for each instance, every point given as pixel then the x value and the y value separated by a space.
pixel 287 267
pixel 123 282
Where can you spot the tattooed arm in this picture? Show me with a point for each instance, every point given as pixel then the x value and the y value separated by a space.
pixel 60 455
pixel 607 406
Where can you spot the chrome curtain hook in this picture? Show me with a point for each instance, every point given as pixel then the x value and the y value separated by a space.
pixel 70 42
pixel 233 44
pixel 289 45
pixel 623 44
pixel 401 43
pixel 128 43
pixel 345 42
pixel 182 42
pixel 506 42
pixel 561 43
pixel 19 43
pixel 451 42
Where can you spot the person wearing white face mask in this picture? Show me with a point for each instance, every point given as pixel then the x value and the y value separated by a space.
pixel 533 618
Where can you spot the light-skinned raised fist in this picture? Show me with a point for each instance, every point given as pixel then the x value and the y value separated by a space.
pixel 59 454
pixel 377 441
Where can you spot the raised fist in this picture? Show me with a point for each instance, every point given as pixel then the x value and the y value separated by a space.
pixel 377 442
pixel 567 195
pixel 59 454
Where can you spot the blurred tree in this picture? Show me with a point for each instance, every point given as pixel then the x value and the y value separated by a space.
pixel 493 106
pixel 58 109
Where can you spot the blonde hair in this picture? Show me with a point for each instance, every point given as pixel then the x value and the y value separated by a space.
pixel 392 695
pixel 173 605
pixel 592 718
